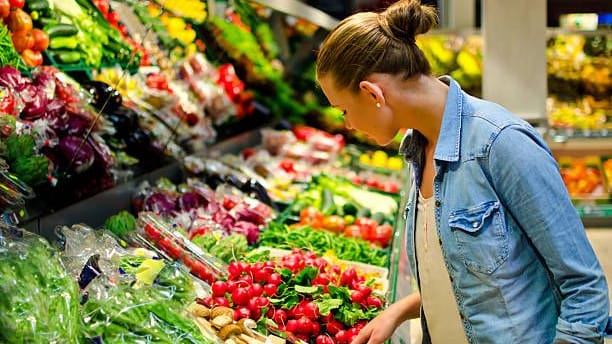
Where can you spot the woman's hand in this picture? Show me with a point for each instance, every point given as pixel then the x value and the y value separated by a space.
pixel 382 327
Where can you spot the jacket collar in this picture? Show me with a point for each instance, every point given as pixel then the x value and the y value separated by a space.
pixel 449 140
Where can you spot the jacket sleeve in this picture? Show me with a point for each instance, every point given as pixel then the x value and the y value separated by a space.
pixel 527 180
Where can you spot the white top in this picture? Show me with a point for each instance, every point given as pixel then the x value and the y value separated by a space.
pixel 437 297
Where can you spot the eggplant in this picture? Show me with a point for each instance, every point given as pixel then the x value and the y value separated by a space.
pixel 104 96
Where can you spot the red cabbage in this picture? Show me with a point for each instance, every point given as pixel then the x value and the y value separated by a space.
pixel 76 151
pixel 34 100
pixel 102 152
pixel 160 203
pixel 11 77
pixel 188 201
pixel 248 229
pixel 224 219
pixel 244 213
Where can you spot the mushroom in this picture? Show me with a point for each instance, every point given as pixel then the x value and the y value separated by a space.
pixel 200 310
pixel 229 331
pixel 221 316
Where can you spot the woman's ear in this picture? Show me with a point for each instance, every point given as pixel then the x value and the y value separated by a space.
pixel 374 91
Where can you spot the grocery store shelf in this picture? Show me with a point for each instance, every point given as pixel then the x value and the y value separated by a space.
pixel 577 147
pixel 301 10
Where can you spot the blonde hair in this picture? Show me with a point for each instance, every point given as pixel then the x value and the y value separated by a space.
pixel 369 42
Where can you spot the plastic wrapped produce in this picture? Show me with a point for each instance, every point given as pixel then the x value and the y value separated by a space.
pixel 39 301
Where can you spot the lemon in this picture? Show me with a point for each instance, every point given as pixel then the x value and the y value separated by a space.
pixel 395 163
pixel 364 159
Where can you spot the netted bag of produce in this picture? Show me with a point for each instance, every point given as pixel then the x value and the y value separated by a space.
pixel 39 301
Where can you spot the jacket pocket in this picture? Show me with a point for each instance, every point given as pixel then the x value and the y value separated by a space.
pixel 481 236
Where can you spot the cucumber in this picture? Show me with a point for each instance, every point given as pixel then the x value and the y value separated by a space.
pixel 60 30
pixel 364 212
pixel 349 209
pixel 327 202
pixel 38 5
pixel 67 57
pixel 378 217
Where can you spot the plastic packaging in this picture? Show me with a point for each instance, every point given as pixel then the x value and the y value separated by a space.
pixel 39 301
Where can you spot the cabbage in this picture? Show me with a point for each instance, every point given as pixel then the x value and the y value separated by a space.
pixel 34 100
pixel 102 153
pixel 160 203
pixel 11 77
pixel 188 201
pixel 76 152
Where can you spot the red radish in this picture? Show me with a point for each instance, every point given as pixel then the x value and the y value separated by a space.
pixel 240 296
pixel 304 325
pixel 315 328
pixel 341 337
pixel 257 289
pixel 327 318
pixel 275 278
pixel 207 301
pixel 374 302
pixel 234 270
pixel 219 288
pixel 291 326
pixel 348 276
pixel 334 327
pixel 323 339
pixel 280 316
pixel 241 313
pixel 220 302
pixel 270 289
pixel 310 310
pixel 357 296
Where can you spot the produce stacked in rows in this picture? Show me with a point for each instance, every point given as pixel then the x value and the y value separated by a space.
pixel 28 42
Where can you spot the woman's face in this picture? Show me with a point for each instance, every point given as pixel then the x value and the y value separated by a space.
pixel 360 112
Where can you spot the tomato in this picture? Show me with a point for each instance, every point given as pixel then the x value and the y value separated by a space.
pixel 240 296
pixel 382 234
pixel 248 152
pixel 18 20
pixel 103 6
pixel 219 288
pixel 168 245
pixel 41 40
pixel 201 271
pixel 5 8
pixel 312 216
pixel 334 223
pixel 113 18
pixel 22 40
pixel 17 3
pixel 287 165
pixel 230 201
pixel 352 231
pixel 152 232
pixel 367 227
pixel 389 186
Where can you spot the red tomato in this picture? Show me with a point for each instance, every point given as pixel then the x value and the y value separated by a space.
pixel 248 152
pixel 41 40
pixel 102 5
pixel 18 20
pixel 168 245
pixel 113 18
pixel 17 3
pixel 367 227
pixel 382 234
pixel 152 232
pixel 311 216
pixel 287 165
pixel 22 40
pixel 5 8
pixel 352 231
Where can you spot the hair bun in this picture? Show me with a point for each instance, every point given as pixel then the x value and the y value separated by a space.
pixel 406 19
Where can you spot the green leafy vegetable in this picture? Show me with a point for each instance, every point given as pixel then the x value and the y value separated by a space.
pixel 121 224
pixel 39 301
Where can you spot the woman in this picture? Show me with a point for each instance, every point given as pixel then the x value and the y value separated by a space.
pixel 499 252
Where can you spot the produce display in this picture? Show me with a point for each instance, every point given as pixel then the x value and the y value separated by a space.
pixel 579 81
pixel 300 295
pixel 584 178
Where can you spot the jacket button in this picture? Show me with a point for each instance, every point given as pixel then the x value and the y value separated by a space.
pixel 475 224
pixel 438 203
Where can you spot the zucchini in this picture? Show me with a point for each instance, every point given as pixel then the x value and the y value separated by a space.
pixel 60 30
pixel 38 5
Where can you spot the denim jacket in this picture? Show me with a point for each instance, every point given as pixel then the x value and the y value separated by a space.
pixel 520 264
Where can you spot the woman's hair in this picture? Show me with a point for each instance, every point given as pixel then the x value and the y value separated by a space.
pixel 369 42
